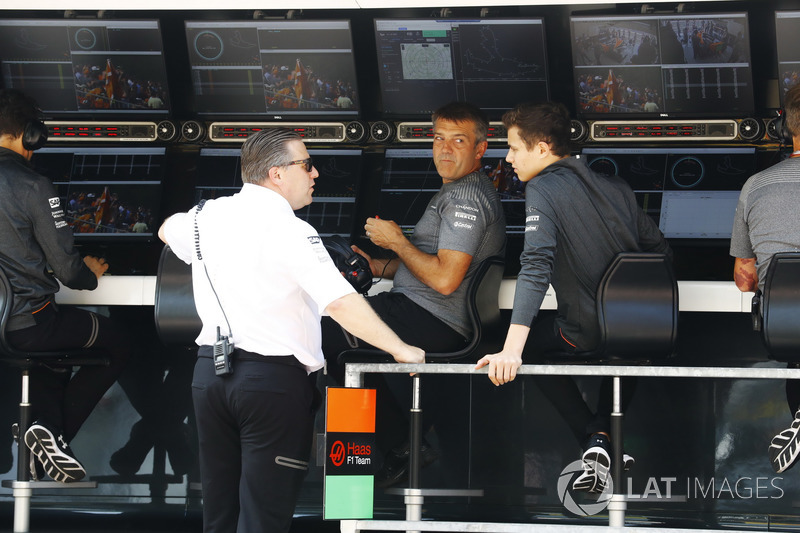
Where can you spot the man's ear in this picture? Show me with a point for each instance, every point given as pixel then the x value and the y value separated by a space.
pixel 543 148
pixel 273 176
pixel 482 146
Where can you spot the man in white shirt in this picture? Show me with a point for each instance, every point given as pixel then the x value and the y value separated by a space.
pixel 262 278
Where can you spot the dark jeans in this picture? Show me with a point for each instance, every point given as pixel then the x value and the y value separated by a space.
pixel 60 398
pixel 563 391
pixel 255 429
pixel 415 326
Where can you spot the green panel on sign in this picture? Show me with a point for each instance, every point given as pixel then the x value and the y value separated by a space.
pixel 434 33
pixel 348 497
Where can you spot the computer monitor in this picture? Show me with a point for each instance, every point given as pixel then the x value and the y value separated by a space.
pixel 78 68
pixel 332 211
pixel 651 66
pixel 787 35
pixel 691 193
pixel 273 68
pixel 492 63
pixel 108 194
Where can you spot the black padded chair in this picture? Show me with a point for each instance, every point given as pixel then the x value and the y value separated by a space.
pixel 22 487
pixel 177 325
pixel 176 316
pixel 484 315
pixel 775 310
pixel 637 309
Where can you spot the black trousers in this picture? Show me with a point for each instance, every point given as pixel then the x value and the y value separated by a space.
pixel 60 398
pixel 255 429
pixel 564 393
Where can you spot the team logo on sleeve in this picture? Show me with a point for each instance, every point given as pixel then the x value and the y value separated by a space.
pixel 314 239
pixel 54 202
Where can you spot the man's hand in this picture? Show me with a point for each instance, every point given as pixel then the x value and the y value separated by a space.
pixel 502 366
pixel 384 233
pixel 97 266
pixel 411 355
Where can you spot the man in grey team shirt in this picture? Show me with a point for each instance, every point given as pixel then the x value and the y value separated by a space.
pixel 766 223
pixel 576 221
pixel 462 225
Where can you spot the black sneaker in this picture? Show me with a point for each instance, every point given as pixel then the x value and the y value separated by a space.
pixel 36 467
pixel 54 453
pixel 596 466
pixel 785 446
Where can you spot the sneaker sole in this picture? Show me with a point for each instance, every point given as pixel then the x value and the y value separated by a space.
pixel 785 447
pixel 596 466
pixel 58 465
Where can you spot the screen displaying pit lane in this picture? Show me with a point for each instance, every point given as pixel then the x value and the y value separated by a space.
pixel 492 63
pixel 333 209
pixel 107 194
pixel 691 193
pixel 787 34
pixel 81 68
pixel 277 69
pixel 662 65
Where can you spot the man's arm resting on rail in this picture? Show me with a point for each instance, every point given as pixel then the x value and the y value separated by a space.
pixel 504 364
pixel 745 275
pixel 355 315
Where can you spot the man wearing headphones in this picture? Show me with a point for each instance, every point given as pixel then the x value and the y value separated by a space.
pixel 766 223
pixel 36 249
pixel 261 279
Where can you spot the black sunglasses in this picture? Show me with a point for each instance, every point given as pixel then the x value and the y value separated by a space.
pixel 307 163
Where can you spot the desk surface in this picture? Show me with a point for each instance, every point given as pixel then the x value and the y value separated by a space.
pixel 703 296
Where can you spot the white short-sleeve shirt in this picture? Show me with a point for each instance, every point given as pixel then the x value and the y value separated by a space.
pixel 271 271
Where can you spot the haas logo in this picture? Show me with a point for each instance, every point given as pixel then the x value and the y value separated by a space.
pixel 337 453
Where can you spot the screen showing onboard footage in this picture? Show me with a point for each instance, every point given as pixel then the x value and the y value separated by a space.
pixel 79 68
pixel 332 211
pixel 108 194
pixel 691 193
pixel 492 63
pixel 787 35
pixel 278 68
pixel 662 65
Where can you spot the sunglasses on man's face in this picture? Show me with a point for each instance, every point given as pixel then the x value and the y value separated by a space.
pixel 307 163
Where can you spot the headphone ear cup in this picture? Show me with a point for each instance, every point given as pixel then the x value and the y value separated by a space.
pixel 35 135
pixel 354 266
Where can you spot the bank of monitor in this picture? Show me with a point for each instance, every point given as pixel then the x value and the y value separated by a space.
pixel 650 66
pixel 332 211
pixel 273 68
pixel 787 35
pixel 78 68
pixel 108 195
pixel 691 193
pixel 492 63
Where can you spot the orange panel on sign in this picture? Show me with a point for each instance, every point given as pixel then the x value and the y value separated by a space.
pixel 351 410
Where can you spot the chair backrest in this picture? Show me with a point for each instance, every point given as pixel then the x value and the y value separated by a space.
pixel 781 307
pixel 6 302
pixel 483 308
pixel 637 305
pixel 177 321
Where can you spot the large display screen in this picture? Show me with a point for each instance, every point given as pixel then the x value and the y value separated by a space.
pixel 492 63
pixel 82 68
pixel 787 35
pixel 332 211
pixel 662 65
pixel 280 69
pixel 108 194
pixel 691 193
